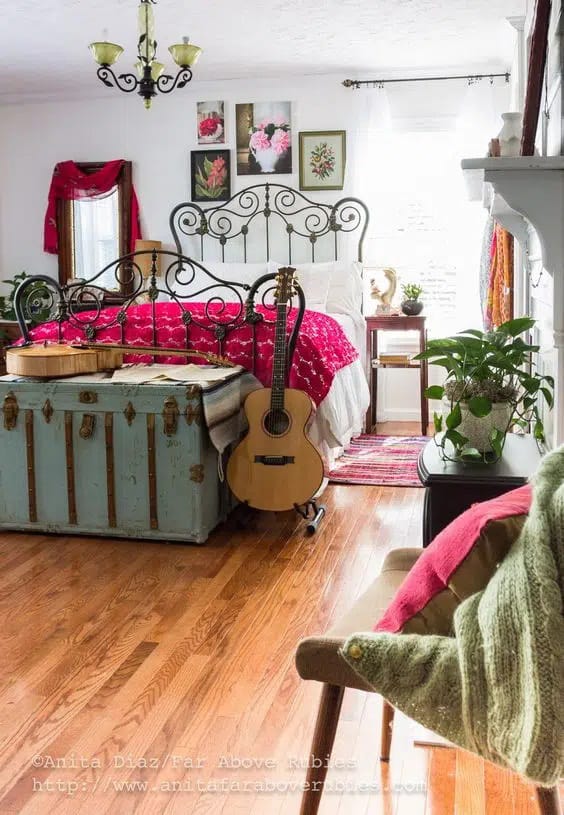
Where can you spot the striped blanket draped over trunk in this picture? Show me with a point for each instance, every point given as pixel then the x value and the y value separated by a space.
pixel 222 403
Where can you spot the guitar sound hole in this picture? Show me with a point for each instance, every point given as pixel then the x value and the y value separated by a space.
pixel 276 422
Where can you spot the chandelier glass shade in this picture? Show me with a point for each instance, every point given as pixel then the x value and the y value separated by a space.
pixel 151 78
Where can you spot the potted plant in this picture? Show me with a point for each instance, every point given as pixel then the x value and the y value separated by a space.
pixel 411 304
pixel 491 386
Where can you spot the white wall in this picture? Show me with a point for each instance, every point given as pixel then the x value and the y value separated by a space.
pixel 34 137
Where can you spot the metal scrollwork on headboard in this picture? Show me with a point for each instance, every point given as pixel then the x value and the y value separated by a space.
pixel 257 212
pixel 224 305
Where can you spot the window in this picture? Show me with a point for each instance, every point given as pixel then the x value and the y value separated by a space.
pixel 95 224
pixel 95 231
pixel 423 225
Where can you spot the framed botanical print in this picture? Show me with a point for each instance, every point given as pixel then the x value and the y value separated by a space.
pixel 322 159
pixel 211 122
pixel 264 137
pixel 210 175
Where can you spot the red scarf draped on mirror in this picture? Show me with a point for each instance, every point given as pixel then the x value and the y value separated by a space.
pixel 70 183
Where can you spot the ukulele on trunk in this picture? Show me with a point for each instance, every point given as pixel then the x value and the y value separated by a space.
pixel 276 467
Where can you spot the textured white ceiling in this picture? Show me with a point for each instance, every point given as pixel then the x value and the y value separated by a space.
pixel 44 43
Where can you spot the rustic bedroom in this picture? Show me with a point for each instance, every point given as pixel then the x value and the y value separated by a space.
pixel 282 408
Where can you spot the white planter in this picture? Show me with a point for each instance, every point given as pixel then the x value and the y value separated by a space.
pixel 478 430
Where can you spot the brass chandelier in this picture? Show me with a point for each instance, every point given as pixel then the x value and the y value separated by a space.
pixel 151 78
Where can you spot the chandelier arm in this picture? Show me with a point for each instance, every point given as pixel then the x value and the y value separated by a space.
pixel 125 82
pixel 181 79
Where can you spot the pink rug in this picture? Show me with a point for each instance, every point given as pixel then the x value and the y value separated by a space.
pixel 380 460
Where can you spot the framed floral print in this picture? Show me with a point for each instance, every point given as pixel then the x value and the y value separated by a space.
pixel 264 138
pixel 210 175
pixel 211 122
pixel 322 159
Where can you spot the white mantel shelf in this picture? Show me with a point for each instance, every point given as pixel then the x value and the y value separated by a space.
pixel 529 190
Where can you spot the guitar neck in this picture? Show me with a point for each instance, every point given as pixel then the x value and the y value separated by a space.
pixel 279 359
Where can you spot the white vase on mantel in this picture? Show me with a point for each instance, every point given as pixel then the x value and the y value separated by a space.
pixel 510 134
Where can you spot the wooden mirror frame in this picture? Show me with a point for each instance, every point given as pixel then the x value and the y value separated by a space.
pixel 65 220
pixel 535 75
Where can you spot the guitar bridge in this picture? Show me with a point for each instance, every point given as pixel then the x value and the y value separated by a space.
pixel 274 461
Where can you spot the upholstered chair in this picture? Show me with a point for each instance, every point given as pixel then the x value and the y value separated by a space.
pixel 318 658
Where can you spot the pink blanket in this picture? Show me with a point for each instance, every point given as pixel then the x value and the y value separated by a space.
pixel 322 348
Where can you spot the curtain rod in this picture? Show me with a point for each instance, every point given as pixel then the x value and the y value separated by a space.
pixel 379 83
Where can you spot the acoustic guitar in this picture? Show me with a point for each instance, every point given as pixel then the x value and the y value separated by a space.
pixel 275 466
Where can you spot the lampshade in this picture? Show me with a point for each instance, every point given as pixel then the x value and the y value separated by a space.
pixel 184 54
pixel 105 53
pixel 156 69
pixel 145 261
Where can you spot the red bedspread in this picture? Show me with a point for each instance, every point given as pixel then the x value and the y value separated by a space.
pixel 322 348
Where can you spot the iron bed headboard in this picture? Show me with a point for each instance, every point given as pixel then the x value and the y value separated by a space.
pixel 256 209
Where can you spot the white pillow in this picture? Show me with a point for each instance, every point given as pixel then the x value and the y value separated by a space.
pixel 335 286
pixel 315 280
pixel 345 292
pixel 232 272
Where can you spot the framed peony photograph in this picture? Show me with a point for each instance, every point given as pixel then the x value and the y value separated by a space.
pixel 210 175
pixel 322 159
pixel 264 138
pixel 211 122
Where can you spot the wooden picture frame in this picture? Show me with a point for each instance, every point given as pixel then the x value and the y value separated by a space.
pixel 264 138
pixel 210 175
pixel 323 155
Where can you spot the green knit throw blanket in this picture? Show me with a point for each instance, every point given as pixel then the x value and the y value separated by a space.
pixel 497 686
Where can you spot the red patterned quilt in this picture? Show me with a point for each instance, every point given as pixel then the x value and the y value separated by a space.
pixel 322 348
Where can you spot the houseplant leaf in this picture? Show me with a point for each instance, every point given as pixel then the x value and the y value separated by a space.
pixel 538 430
pixel 497 439
pixel 517 326
pixel 471 454
pixel 456 438
pixel 435 392
pixel 548 396
pixel 479 406
pixel 454 418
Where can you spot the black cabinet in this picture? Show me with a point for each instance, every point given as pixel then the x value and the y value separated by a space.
pixel 452 487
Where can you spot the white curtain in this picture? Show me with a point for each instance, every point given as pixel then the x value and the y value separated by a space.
pixel 406 151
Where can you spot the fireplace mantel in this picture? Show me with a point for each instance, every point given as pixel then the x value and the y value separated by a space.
pixel 530 190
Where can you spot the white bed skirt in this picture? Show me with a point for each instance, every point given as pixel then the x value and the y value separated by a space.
pixel 341 415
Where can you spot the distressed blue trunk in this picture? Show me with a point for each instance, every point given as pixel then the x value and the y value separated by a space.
pixel 108 459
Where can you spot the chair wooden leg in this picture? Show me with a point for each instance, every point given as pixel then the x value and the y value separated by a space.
pixel 387 724
pixel 322 745
pixel 548 799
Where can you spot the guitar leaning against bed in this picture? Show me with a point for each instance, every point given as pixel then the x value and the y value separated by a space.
pixel 276 467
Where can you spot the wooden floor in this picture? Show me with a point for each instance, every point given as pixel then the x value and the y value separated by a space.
pixel 119 654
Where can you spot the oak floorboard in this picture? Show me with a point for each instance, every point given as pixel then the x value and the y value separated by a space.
pixel 442 781
pixel 469 792
pixel 129 647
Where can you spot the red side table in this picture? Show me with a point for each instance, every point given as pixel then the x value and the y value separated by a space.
pixel 394 322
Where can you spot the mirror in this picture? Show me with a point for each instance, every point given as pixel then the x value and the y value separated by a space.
pixel 95 231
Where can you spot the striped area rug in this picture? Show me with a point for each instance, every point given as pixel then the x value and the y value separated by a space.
pixel 380 460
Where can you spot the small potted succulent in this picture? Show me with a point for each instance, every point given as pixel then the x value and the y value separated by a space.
pixel 491 386
pixel 411 305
